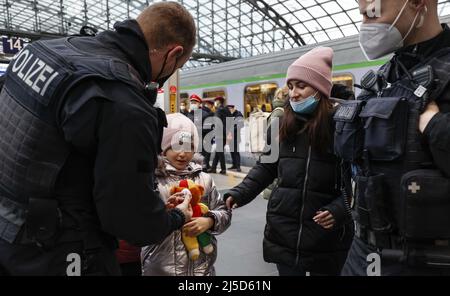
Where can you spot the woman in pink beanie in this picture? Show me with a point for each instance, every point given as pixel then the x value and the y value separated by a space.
pixel 309 227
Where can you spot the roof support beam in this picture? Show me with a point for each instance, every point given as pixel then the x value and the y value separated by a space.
pixel 274 16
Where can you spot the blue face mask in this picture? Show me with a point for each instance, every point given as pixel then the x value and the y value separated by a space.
pixel 305 107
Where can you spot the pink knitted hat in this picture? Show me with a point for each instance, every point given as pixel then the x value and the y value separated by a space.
pixel 314 68
pixel 179 132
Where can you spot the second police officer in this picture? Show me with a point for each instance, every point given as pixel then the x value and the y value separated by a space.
pixel 397 138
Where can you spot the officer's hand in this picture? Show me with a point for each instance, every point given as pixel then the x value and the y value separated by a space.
pixel 186 207
pixel 231 204
pixel 175 200
pixel 324 219
pixel 425 118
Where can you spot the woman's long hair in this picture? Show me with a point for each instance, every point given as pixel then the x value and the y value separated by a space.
pixel 318 127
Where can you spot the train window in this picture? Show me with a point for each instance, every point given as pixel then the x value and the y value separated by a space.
pixel 345 79
pixel 259 97
pixel 211 95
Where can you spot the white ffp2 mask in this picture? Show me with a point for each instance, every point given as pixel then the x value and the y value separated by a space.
pixel 377 40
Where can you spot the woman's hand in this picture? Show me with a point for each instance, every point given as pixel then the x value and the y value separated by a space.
pixel 324 219
pixel 198 225
pixel 231 204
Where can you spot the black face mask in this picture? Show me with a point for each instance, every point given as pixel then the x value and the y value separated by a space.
pixel 162 80
pixel 152 88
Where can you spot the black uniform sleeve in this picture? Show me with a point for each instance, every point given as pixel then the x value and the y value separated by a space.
pixel 438 134
pixel 340 211
pixel 340 206
pixel 261 176
pixel 122 135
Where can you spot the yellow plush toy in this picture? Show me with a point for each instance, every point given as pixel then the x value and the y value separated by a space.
pixel 203 240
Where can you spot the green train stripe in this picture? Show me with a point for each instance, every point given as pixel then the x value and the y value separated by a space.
pixel 276 76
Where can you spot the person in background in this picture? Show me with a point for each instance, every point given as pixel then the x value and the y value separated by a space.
pixel 195 104
pixel 183 109
pixel 279 102
pixel 208 107
pixel 170 258
pixel 235 136
pixel 221 113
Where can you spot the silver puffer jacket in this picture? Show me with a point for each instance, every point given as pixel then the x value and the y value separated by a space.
pixel 170 258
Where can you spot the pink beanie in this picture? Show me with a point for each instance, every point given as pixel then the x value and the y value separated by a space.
pixel 180 130
pixel 314 68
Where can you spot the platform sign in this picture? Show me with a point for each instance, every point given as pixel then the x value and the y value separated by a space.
pixel 12 45
pixel 173 103
pixel 171 90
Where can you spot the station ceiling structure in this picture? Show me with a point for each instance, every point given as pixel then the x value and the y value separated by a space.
pixel 227 29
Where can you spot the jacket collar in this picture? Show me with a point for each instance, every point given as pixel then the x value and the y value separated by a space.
pixel 129 39
pixel 166 169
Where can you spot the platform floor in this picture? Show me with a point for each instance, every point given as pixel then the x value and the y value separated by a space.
pixel 240 247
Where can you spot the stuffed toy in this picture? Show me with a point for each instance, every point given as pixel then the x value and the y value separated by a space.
pixel 203 240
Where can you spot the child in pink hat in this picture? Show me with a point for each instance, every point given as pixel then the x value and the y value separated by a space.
pixel 180 162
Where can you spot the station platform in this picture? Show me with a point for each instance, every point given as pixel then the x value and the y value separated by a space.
pixel 240 247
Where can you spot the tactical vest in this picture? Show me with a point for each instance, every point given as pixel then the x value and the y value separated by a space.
pixel 400 192
pixel 32 147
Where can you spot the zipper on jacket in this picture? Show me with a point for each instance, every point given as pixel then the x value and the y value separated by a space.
pixel 305 185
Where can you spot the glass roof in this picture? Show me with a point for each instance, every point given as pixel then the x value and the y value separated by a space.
pixel 228 29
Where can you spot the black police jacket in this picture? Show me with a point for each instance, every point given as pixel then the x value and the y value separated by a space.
pixel 401 175
pixel 308 181
pixel 437 133
pixel 222 114
pixel 106 132
pixel 239 118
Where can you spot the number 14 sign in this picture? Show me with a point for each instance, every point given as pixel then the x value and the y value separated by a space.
pixel 12 45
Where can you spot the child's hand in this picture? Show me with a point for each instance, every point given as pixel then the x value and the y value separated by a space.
pixel 197 226
pixel 324 219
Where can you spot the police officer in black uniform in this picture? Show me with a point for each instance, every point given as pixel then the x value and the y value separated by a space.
pixel 236 137
pixel 221 114
pixel 396 141
pixel 79 143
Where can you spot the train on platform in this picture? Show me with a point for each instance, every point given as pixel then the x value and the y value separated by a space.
pixel 251 83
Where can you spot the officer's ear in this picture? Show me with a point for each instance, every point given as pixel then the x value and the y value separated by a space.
pixel 177 52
